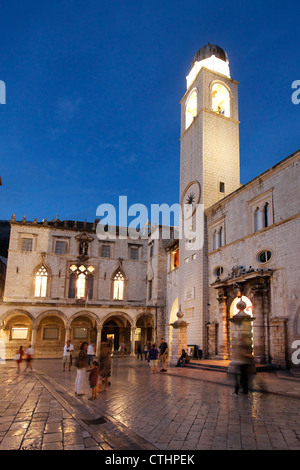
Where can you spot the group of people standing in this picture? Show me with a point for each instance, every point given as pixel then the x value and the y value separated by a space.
pixel 154 354
pixel 99 371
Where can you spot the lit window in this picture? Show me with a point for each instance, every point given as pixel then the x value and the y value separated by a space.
pixel 19 333
pixel 138 334
pixel 191 109
pixel 27 244
pixel 41 282
pixel 119 286
pixel 220 100
pixel 80 286
pixel 81 282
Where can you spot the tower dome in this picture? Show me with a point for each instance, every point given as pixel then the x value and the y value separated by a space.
pixel 208 51
pixel 212 57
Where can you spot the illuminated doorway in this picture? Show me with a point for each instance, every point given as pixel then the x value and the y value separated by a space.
pixel 249 310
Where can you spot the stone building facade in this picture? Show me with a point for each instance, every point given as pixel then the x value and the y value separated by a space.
pixel 63 281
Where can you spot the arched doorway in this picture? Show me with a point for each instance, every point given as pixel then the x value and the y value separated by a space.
pixel 249 310
pixel 118 329
pixel 173 317
pixel 144 331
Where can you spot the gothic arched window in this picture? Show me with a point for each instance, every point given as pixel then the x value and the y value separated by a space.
pixel 41 279
pixel 81 282
pixel 119 286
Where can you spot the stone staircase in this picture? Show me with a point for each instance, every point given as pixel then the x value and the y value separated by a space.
pixel 222 366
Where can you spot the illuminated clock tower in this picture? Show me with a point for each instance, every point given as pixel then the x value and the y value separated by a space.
pixel 209 170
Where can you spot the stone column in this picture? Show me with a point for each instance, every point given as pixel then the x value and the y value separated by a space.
pixel 132 333
pixel 67 334
pixel 98 340
pixel 223 328
pixel 279 341
pixel 211 334
pixel 179 340
pixel 33 337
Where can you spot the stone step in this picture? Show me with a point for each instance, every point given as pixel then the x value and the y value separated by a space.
pixel 223 366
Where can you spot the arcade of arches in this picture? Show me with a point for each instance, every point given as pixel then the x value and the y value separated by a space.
pixel 49 332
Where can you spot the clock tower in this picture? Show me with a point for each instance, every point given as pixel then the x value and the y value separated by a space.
pixel 209 170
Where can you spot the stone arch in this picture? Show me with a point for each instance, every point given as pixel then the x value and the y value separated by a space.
pixel 14 312
pixel 119 326
pixel 85 313
pixel 55 313
pixel 145 315
pixel 51 328
pixel 11 321
pixel 117 313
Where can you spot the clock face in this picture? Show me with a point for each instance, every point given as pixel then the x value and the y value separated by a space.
pixel 190 198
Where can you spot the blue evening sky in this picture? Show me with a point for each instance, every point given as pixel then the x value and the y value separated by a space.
pixel 93 88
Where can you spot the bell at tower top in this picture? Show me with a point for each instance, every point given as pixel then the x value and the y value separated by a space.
pixel 212 57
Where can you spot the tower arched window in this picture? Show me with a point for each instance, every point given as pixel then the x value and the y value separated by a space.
pixel 220 100
pixel 41 279
pixel 118 286
pixel 191 109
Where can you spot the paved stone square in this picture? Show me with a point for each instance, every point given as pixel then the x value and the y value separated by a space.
pixel 183 409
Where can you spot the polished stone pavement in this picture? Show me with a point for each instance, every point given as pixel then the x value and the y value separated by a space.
pixel 182 409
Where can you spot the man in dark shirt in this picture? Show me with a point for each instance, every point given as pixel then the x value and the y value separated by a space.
pixel 163 354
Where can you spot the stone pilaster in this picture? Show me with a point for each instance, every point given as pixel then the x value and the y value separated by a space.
pixel 179 340
pixel 222 337
pixel 278 333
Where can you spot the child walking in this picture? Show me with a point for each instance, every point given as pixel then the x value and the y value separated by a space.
pixel 93 379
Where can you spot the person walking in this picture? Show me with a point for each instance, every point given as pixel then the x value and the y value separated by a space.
pixel 91 353
pixel 19 358
pixel 93 379
pixel 81 364
pixel 67 355
pixel 242 362
pixel 105 365
pixel 139 352
pixel 29 357
pixel 163 354
pixel 146 351
pixel 152 357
